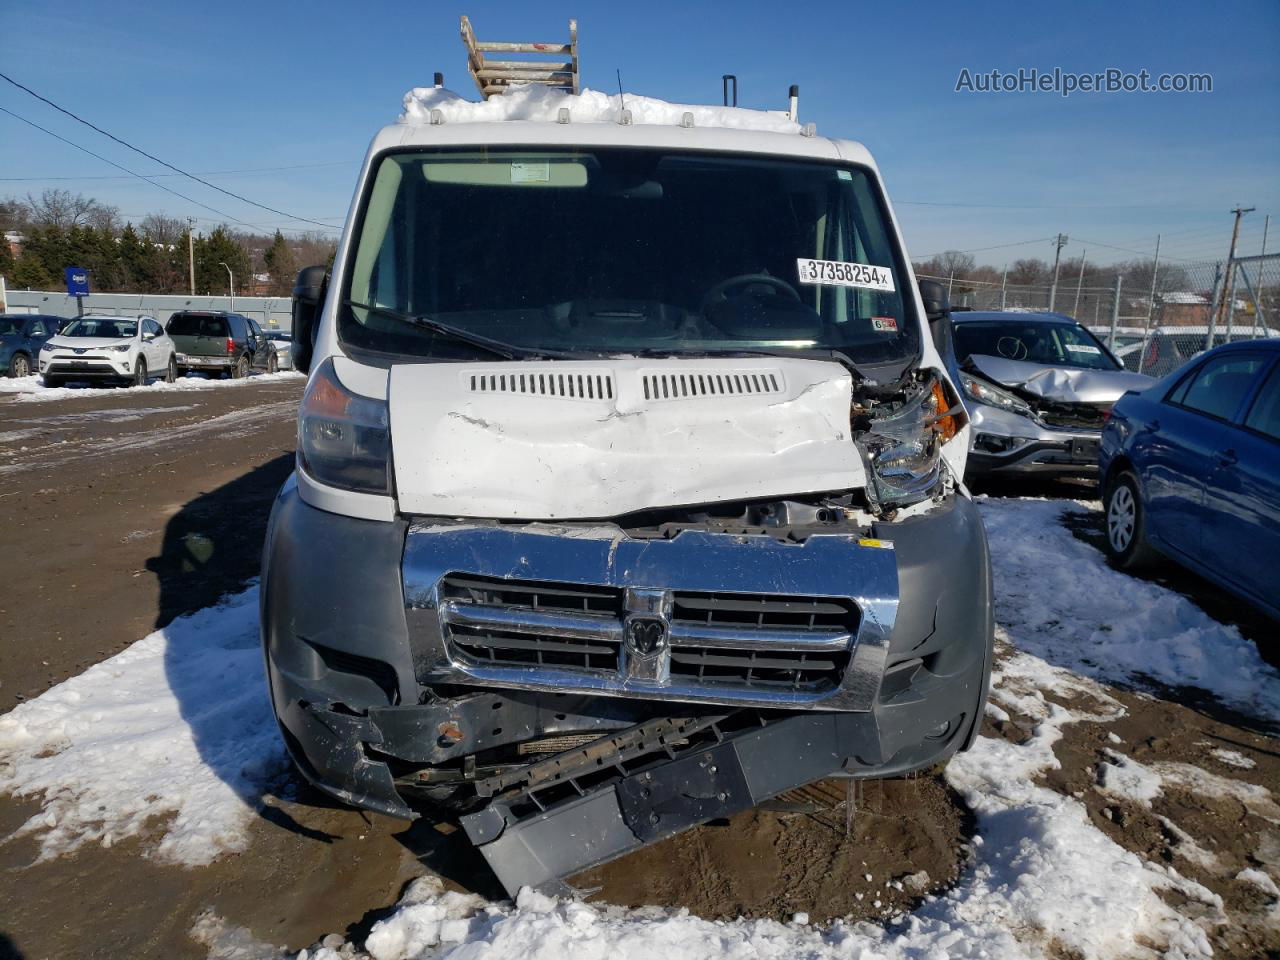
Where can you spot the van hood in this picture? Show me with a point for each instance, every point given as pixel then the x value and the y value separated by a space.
pixel 581 440
pixel 1067 384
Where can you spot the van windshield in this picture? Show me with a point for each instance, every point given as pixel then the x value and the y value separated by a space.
pixel 623 250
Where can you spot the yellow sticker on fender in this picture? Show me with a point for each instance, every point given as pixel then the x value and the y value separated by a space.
pixel 878 544
pixel 837 273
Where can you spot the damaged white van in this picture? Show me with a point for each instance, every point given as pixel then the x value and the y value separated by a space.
pixel 627 482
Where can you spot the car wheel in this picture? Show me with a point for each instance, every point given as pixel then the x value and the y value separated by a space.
pixel 20 365
pixel 1125 520
pixel 272 363
pixel 140 373
pixel 241 369
pixel 171 373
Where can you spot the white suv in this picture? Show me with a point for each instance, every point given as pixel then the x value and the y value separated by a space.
pixel 133 349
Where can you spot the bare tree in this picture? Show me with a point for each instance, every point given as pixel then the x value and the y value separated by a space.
pixel 1028 272
pixel 167 231
pixel 957 264
pixel 63 209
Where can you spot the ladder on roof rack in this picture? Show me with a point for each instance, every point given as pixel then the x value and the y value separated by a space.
pixel 495 76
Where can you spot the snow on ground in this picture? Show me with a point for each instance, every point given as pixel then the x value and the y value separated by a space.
pixel 536 102
pixel 1062 601
pixel 177 725
pixel 32 389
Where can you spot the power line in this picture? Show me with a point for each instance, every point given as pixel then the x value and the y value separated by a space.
pixel 205 173
pixel 163 163
pixel 998 246
pixel 96 156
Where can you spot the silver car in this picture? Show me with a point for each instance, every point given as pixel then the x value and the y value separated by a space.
pixel 1037 387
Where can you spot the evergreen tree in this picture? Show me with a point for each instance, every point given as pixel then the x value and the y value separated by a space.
pixel 281 265
pixel 213 251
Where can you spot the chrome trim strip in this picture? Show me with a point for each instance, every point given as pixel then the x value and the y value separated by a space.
pixel 519 620
pixel 774 639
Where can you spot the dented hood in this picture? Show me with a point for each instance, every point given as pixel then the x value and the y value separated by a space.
pixel 1068 384
pixel 577 440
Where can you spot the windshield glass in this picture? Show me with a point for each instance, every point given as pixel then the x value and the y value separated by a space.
pixel 10 325
pixel 111 328
pixel 625 250
pixel 1051 344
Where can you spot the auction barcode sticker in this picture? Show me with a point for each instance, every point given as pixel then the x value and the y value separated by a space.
pixel 840 274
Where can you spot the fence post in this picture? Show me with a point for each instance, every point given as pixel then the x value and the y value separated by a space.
pixel 1004 278
pixel 1115 313
pixel 1213 307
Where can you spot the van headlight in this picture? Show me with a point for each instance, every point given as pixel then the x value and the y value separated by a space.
pixel 902 449
pixel 344 439
pixel 993 396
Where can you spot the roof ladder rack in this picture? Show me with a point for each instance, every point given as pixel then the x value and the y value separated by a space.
pixel 496 76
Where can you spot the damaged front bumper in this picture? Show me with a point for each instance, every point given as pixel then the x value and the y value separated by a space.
pixel 575 693
pixel 1004 442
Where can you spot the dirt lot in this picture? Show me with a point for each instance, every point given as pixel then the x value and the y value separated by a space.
pixel 121 512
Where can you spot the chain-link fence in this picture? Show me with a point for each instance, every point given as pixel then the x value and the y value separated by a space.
pixel 1152 323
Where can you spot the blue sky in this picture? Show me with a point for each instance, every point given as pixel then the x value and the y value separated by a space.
pixel 238 86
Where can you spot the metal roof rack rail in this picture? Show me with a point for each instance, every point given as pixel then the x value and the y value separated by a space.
pixel 496 76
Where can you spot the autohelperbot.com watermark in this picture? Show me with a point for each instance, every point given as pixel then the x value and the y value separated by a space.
pixel 1065 82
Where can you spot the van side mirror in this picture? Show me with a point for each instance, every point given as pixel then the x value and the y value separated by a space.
pixel 936 302
pixel 308 296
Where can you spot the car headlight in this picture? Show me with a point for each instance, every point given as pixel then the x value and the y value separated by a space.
pixel 902 448
pixel 123 348
pixel 344 439
pixel 45 348
pixel 993 396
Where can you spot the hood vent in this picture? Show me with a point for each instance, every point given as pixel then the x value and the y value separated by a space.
pixel 575 385
pixel 711 383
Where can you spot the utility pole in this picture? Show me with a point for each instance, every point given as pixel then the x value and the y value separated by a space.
pixel 1004 279
pixel 191 252
pixel 1257 313
pixel 1155 268
pixel 1079 282
pixel 1228 284
pixel 1059 241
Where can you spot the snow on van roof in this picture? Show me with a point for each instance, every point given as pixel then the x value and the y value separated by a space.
pixel 537 102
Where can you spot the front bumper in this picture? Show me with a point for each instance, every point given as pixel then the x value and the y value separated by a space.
pixel 378 700
pixel 87 368
pixel 1005 443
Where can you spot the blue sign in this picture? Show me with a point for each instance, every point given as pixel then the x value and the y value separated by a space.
pixel 77 282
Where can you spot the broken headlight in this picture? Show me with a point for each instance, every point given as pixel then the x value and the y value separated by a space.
pixel 993 396
pixel 344 439
pixel 902 446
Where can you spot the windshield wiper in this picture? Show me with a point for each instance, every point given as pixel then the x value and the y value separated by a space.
pixel 506 351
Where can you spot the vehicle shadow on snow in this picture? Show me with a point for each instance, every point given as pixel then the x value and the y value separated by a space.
pixel 212 548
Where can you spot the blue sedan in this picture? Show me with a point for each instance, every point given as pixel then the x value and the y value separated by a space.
pixel 1190 469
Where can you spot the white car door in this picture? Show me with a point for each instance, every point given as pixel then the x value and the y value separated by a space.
pixel 153 346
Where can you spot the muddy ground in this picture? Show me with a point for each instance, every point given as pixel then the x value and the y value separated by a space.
pixel 119 512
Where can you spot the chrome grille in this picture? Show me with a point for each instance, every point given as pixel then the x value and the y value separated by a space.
pixel 523 623
pixel 752 641
pixel 761 640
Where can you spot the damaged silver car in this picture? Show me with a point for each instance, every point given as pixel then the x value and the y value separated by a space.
pixel 1037 387
pixel 626 493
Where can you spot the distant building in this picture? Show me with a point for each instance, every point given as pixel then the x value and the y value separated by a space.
pixel 14 240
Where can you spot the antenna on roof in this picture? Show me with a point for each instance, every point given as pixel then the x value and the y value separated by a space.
pixel 622 104
pixel 794 109
pixel 496 76
pixel 725 84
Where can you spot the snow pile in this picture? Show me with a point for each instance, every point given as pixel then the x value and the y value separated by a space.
pixel 178 724
pixel 32 388
pixel 538 102
pixel 1061 601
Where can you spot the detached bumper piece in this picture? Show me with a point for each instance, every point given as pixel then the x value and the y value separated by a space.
pixel 584 807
